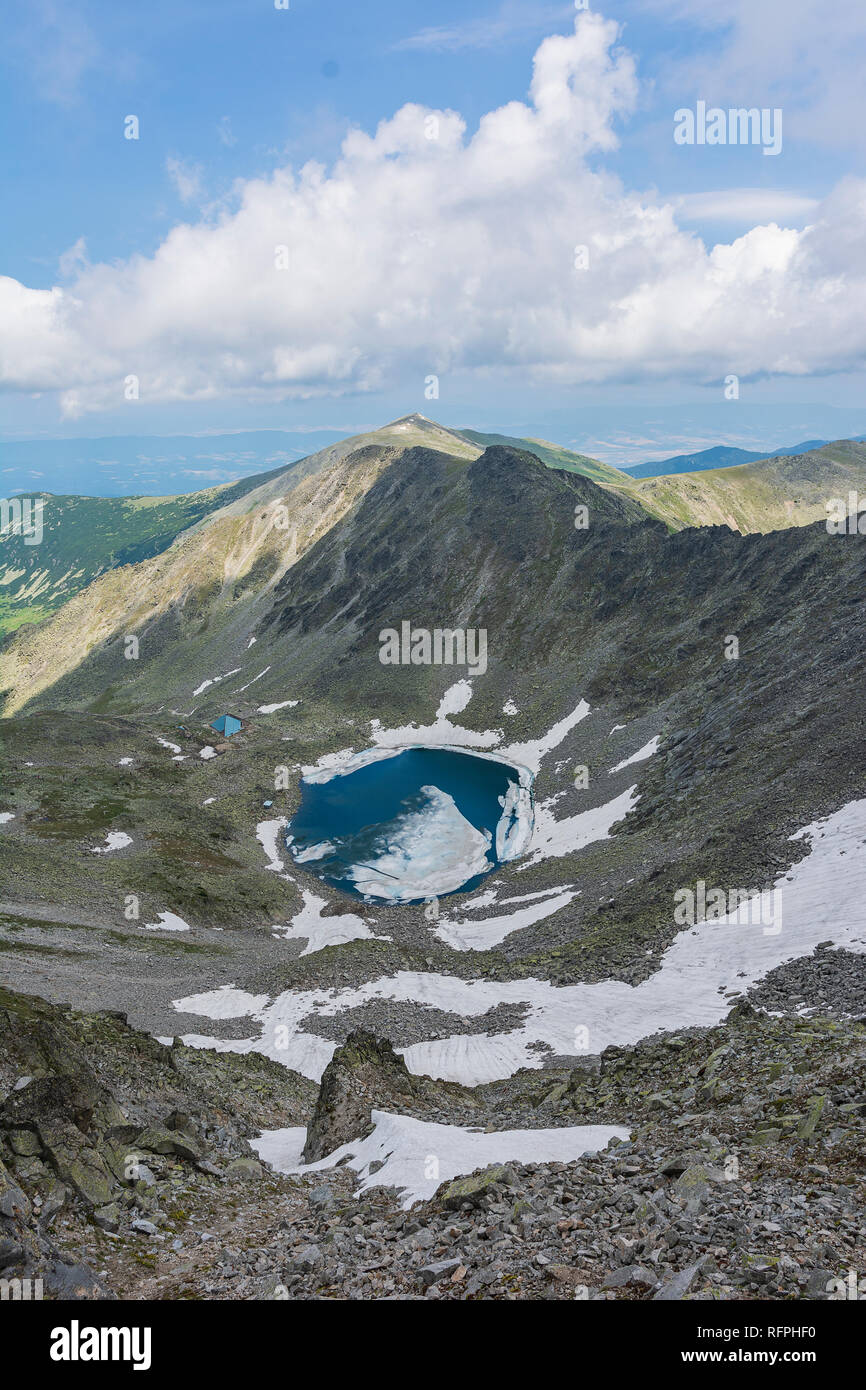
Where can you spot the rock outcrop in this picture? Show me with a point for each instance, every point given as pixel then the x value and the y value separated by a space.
pixel 364 1073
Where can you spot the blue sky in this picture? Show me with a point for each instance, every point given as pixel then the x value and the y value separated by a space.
pixel 151 257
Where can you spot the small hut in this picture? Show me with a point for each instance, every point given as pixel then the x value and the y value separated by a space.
pixel 227 724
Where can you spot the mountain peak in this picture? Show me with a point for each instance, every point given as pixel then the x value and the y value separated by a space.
pixel 414 419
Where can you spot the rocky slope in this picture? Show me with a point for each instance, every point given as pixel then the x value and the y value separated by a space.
pixel 125 1171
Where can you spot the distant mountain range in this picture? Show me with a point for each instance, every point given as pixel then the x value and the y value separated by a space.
pixel 720 456
pixel 199 573
pixel 159 547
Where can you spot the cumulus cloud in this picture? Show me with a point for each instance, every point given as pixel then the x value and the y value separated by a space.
pixel 427 250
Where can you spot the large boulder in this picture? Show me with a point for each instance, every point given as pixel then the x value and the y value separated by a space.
pixel 365 1073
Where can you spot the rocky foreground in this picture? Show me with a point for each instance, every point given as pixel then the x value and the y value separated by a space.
pixel 126 1169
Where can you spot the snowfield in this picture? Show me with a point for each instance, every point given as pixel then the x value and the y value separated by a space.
pixel 402 1147
pixel 705 967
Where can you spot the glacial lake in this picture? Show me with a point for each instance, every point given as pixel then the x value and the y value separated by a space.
pixel 406 826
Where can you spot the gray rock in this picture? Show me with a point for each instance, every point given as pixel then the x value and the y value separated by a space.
pixel 677 1287
pixel 248 1169
pixel 145 1228
pixel 363 1073
pixel 108 1218
pixel 630 1274
pixel 434 1273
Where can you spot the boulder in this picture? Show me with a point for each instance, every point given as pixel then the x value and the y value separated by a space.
pixel 474 1188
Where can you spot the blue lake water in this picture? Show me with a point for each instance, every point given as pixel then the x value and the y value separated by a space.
pixel 421 823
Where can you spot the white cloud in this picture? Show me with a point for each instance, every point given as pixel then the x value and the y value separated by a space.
pixel 512 20
pixel 71 261
pixel 56 47
pixel 187 178
pixel 456 254
pixel 745 205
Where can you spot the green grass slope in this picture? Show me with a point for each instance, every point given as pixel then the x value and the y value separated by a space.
pixel 553 455
pixel 84 537
pixel 770 495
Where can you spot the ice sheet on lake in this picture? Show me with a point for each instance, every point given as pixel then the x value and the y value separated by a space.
pixel 430 851
pixel 402 1148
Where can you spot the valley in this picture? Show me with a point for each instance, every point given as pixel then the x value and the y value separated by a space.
pixel 175 920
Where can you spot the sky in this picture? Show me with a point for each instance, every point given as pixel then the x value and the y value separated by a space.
pixel 335 214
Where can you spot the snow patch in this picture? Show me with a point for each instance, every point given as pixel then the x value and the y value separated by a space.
pixel 167 921
pixel 268 836
pixel 821 897
pixel 481 935
pixel 530 754
pixel 552 838
pixel 455 699
pixel 115 839
pixel 638 757
pixel 322 931
pixel 399 1149
pixel 272 709
pixel 214 680
pixel 241 688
